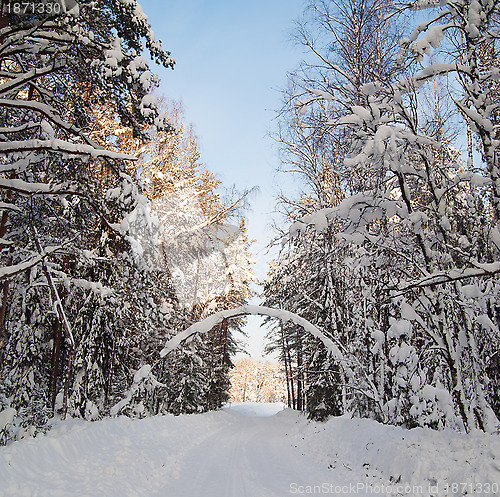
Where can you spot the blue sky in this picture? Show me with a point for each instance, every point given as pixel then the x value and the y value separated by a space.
pixel 232 59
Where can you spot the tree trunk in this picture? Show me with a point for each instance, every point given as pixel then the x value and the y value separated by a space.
pixel 290 377
pixel 5 286
pixel 300 376
pixel 56 354
pixel 287 369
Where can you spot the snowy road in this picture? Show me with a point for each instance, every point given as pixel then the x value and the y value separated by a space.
pixel 250 456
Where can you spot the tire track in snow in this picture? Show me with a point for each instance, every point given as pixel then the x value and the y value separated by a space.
pixel 250 457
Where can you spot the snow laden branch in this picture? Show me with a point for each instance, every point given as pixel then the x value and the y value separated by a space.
pixel 10 271
pixel 56 145
pixel 208 323
pixel 442 277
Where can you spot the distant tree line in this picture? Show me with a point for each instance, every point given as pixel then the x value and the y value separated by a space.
pixel 257 381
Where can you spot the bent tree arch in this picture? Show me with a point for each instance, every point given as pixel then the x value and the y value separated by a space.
pixel 208 323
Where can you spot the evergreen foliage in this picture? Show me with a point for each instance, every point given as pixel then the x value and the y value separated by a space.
pixel 91 166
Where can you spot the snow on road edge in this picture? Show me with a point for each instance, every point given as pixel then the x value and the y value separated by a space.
pixel 427 461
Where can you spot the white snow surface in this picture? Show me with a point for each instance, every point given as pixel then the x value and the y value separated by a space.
pixel 260 409
pixel 245 449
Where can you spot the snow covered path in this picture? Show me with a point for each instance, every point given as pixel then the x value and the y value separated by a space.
pixel 248 450
pixel 249 457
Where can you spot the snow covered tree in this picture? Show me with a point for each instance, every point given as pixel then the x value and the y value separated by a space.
pixel 351 43
pixel 56 218
pixel 196 251
pixel 89 289
pixel 424 224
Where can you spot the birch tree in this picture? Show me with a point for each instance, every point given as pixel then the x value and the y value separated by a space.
pixel 426 197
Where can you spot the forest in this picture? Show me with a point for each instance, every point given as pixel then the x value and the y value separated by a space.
pixel 115 239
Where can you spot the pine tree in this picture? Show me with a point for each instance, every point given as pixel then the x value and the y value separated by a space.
pixel 56 215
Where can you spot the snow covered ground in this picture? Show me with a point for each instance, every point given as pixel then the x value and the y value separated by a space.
pixel 247 450
pixel 388 460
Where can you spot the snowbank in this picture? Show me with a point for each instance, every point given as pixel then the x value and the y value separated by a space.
pixel 428 462
pixel 117 457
